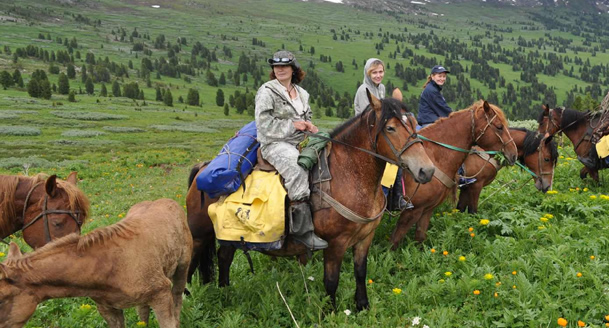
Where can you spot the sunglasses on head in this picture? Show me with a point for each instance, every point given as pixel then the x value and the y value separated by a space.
pixel 281 60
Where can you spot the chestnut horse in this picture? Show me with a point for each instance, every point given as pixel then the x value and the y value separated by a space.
pixel 537 152
pixel 383 129
pixel 44 208
pixel 578 127
pixel 482 124
pixel 140 261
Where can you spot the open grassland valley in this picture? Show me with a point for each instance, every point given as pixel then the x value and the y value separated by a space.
pixel 132 94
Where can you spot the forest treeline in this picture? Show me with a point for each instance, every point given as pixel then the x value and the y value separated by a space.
pixel 474 57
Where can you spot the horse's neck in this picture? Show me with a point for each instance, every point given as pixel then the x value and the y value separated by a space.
pixel 456 131
pixel 12 222
pixel 576 135
pixel 58 274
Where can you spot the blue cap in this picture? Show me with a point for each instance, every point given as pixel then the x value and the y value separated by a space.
pixel 439 69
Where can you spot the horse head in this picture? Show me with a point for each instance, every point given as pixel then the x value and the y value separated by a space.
pixel 16 306
pixel 399 140
pixel 549 120
pixel 53 208
pixel 540 155
pixel 490 130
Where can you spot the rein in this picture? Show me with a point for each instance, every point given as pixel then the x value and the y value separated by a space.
pixel 45 212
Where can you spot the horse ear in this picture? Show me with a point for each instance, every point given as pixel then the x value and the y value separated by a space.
pixel 548 137
pixel 51 185
pixel 397 94
pixel 73 178
pixel 13 251
pixel 3 273
pixel 486 106
pixel 374 102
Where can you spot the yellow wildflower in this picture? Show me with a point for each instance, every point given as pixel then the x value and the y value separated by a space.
pixel 541 227
pixel 514 272
pixel 586 189
pixel 592 257
pixel 141 324
pixel 433 250
pixel 549 216
pixel 498 283
pixel 445 253
pixel 476 292
pixel 488 276
pixel 441 281
pixel 579 275
pixel 496 294
pixel 562 322
pixel 85 307
pixel 543 219
pixel 448 273
pixel 2 254
pixel 592 196
pixel 472 235
pixel 462 258
pixel 552 192
pixel 470 229
pixel 397 291
pixel 514 287
pixel 484 221
pixel 370 281
pixel 581 323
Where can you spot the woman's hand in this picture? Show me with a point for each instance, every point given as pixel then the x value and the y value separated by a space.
pixel 305 126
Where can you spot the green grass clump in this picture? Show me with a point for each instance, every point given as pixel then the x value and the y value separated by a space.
pixel 89 116
pixel 19 131
pixel 184 128
pixel 123 129
pixel 82 133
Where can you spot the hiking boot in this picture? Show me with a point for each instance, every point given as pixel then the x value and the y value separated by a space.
pixel 405 205
pixel 311 241
pixel 463 182
pixel 301 226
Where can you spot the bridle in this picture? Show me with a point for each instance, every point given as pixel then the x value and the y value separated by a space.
pixel 413 138
pixel 75 215
pixel 540 162
pixel 488 124
pixel 552 121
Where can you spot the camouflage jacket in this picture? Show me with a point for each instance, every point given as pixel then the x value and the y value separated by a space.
pixel 275 114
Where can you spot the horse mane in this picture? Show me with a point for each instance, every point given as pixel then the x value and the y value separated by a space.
pixel 390 108
pixel 570 116
pixel 8 185
pixel 80 243
pixel 532 139
pixel 480 105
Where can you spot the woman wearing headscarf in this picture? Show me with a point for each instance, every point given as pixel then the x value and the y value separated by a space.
pixel 282 115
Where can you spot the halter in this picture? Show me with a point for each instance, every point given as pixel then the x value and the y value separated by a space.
pixel 75 215
pixel 488 124
pixel 412 139
pixel 540 161
pixel 551 121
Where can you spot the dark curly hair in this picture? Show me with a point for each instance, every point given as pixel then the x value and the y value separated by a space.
pixel 297 76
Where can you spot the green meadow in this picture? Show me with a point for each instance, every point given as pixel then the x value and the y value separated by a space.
pixel 526 260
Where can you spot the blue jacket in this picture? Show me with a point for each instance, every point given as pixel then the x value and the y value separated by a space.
pixel 432 104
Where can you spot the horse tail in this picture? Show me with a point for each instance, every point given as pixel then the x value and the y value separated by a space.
pixel 193 173
pixel 453 195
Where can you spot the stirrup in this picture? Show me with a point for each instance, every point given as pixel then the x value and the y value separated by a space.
pixel 405 205
pixel 466 181
pixel 311 241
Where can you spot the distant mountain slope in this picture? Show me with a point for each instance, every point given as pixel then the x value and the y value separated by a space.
pixel 410 5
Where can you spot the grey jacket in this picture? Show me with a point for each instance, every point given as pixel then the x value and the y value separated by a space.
pixel 275 114
pixel 361 99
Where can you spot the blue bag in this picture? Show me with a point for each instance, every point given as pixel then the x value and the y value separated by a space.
pixel 225 173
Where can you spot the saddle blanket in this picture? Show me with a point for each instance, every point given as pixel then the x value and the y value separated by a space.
pixel 254 215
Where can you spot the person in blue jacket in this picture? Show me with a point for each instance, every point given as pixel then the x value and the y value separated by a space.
pixel 432 106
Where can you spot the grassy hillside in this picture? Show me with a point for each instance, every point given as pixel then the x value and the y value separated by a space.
pixel 130 150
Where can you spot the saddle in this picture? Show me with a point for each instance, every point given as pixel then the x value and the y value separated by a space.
pixel 319 177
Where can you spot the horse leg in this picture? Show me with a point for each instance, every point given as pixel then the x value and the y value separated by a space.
pixel 179 284
pixel 333 259
pixel 594 175
pixel 406 221
pixel 163 307
pixel 475 191
pixel 226 254
pixel 143 312
pixel 360 266
pixel 114 317
pixel 196 255
pixel 583 173
pixel 421 233
pixel 464 200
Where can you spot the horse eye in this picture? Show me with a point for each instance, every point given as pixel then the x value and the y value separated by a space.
pixel 546 159
pixel 500 127
pixel 390 129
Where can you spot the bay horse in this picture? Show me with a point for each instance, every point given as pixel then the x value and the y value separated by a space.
pixel 482 124
pixel 578 127
pixel 43 207
pixel 140 261
pixel 536 151
pixel 384 129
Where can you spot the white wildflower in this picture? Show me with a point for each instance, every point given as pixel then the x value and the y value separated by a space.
pixel 311 278
pixel 348 312
pixel 416 321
